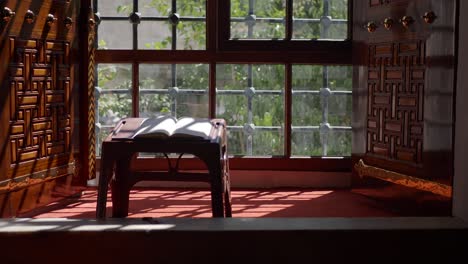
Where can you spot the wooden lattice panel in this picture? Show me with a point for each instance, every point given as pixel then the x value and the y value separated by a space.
pixel 40 124
pixel 396 73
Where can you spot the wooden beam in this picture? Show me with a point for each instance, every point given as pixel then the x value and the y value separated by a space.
pixel 402 179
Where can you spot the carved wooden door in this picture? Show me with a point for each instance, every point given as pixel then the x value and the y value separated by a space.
pixel 404 79
pixel 38 102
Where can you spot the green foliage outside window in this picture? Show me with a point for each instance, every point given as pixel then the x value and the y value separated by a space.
pixel 267 109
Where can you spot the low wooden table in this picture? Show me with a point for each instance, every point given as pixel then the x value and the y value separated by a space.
pixel 118 155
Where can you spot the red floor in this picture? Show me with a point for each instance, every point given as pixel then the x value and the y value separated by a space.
pixel 194 203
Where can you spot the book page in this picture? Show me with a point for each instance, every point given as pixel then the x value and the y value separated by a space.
pixel 156 127
pixel 193 127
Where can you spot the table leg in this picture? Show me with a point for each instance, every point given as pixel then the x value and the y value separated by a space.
pixel 227 196
pixel 227 183
pixel 217 198
pixel 120 188
pixel 105 175
pixel 215 170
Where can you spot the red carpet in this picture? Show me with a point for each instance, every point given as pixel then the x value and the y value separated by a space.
pixel 195 203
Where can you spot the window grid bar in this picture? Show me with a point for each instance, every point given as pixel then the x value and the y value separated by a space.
pixel 212 91
pixel 289 19
pixel 324 126
pixel 155 18
pixel 249 132
pixel 233 19
pixel 269 128
pixel 248 136
pixel 223 92
pixel 281 20
pixel 135 68
pixel 288 109
pixel 135 26
pixel 174 26
pixel 135 90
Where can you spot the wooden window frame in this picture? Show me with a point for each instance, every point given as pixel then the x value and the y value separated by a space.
pixel 318 49
pixel 219 49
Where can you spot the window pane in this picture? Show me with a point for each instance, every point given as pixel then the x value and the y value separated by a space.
pixel 192 96
pixel 323 19
pixel 182 28
pixel 249 96
pixel 112 8
pixel 115 35
pixel 339 13
pixel 155 81
pixel 179 90
pixel 154 35
pixel 163 26
pixel 340 102
pixel 306 142
pixel 158 35
pixel 191 35
pixel 340 78
pixel 339 143
pixel 339 110
pixel 250 99
pixel 191 29
pixel 321 110
pixel 152 8
pixel 113 98
pixel 261 19
pixel 191 8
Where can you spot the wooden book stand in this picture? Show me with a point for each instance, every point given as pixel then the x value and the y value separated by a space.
pixel 117 155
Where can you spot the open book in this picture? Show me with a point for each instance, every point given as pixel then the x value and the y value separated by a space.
pixel 168 126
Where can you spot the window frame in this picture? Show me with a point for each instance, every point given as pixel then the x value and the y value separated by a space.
pixel 317 48
pixel 218 51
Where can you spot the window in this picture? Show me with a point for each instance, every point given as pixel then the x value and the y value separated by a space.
pixel 278 71
pixel 284 24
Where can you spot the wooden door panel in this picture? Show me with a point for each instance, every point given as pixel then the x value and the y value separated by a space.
pixel 405 78
pixel 38 97
pixel 40 116
pixel 395 110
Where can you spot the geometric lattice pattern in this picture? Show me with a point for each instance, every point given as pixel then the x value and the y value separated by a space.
pixel 396 73
pixel 40 120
